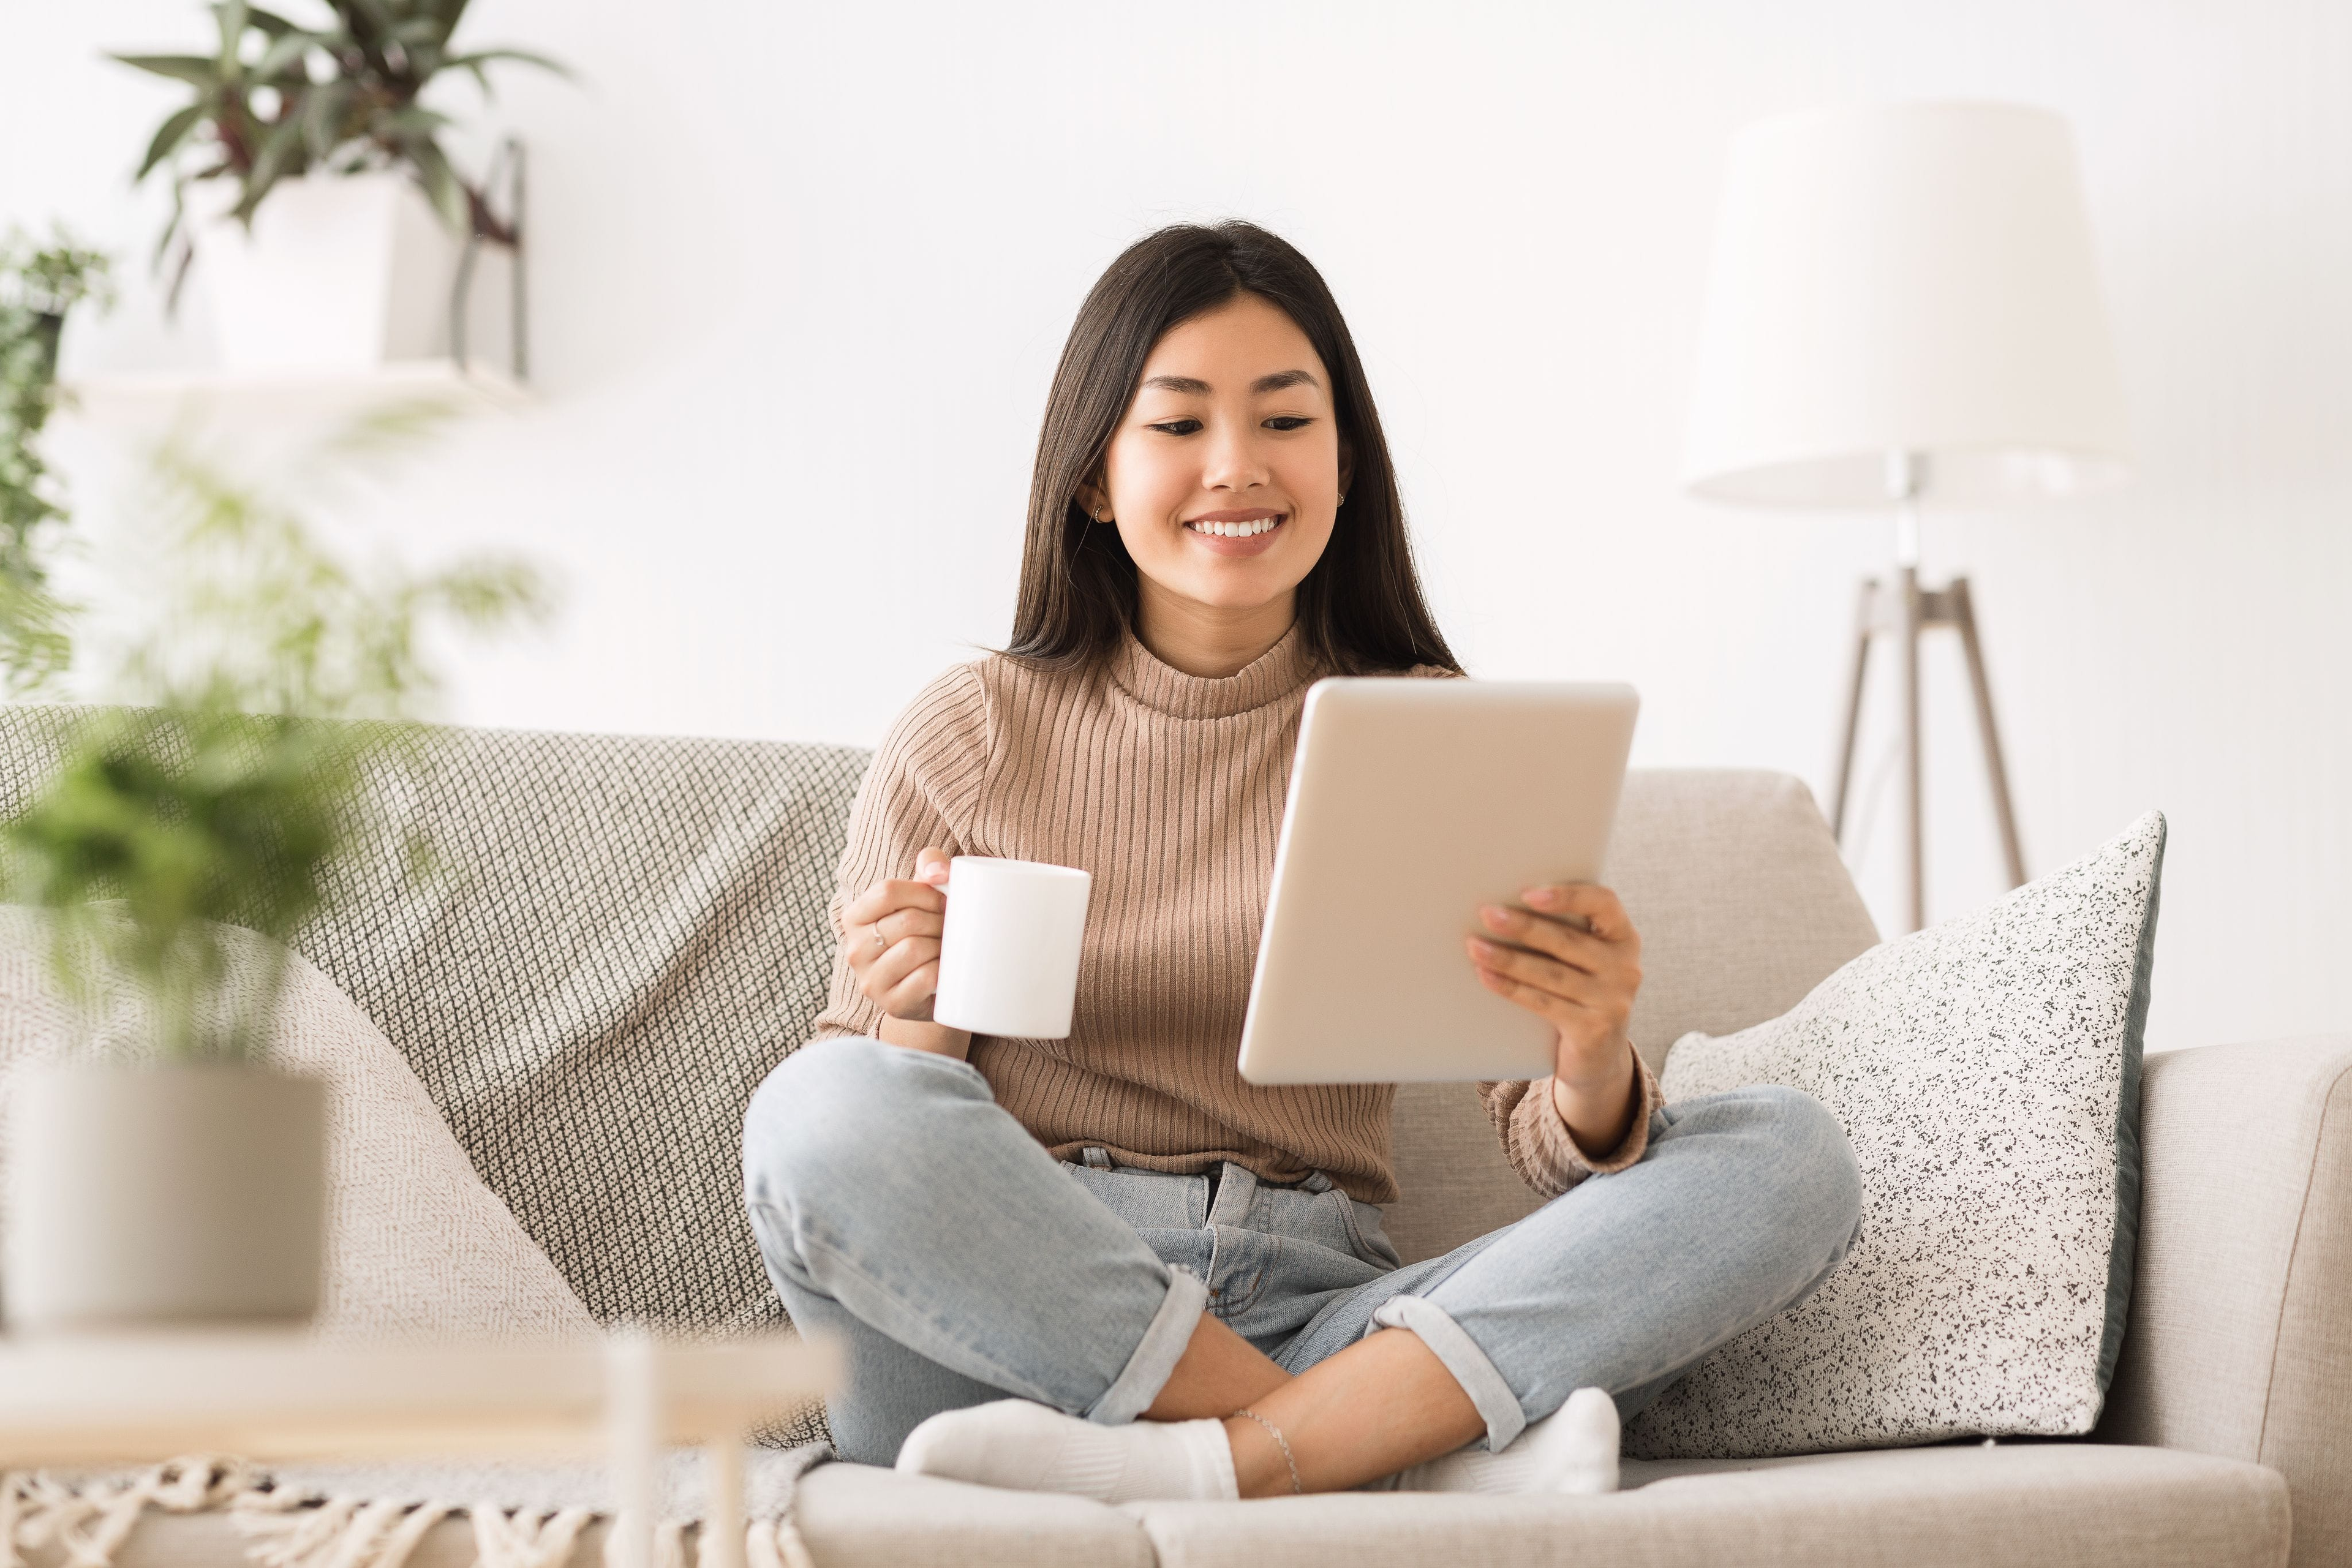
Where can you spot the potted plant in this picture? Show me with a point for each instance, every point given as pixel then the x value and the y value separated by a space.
pixel 176 1177
pixel 308 175
pixel 39 284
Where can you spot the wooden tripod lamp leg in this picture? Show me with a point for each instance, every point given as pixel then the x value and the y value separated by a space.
pixel 1907 656
pixel 1964 615
pixel 1842 787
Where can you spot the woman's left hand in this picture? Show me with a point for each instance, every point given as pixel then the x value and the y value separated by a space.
pixel 1573 958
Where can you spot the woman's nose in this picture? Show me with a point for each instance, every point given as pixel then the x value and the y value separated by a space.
pixel 1234 460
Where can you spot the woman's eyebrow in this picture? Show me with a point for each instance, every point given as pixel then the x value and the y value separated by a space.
pixel 1193 386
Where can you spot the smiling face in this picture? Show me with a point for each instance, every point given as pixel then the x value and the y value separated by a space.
pixel 1225 475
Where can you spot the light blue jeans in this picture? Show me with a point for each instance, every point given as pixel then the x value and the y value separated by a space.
pixel 907 1215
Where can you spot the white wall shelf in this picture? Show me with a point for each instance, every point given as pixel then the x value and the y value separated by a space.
pixel 159 400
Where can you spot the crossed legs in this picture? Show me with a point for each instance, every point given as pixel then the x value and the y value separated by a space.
pixel 898 1208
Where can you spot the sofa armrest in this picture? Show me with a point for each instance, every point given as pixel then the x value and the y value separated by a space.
pixel 2239 1341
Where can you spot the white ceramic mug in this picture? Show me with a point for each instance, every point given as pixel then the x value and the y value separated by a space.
pixel 1009 952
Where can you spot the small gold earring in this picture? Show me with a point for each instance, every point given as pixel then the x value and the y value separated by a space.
pixel 1343 497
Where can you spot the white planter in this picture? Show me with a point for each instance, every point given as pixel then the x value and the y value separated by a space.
pixel 163 1195
pixel 345 273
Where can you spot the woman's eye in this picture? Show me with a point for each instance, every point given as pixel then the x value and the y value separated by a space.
pixel 1178 427
pixel 1288 422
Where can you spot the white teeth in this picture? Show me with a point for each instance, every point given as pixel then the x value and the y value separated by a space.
pixel 1250 530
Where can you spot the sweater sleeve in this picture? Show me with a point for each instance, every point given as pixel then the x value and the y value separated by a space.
pixel 1537 1142
pixel 920 792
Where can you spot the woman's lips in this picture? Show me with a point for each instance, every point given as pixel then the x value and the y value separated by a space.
pixel 1235 543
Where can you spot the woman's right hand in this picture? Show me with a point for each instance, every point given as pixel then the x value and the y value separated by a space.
pixel 891 938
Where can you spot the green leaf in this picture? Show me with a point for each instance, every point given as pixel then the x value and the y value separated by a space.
pixel 415 119
pixel 441 186
pixel 194 69
pixel 288 49
pixel 174 258
pixel 480 57
pixel 231 16
pixel 282 155
pixel 168 137
pixel 418 30
pixel 322 117
pixel 171 228
pixel 269 22
pixel 367 19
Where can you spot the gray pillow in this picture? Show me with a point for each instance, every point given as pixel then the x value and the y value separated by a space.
pixel 1988 1074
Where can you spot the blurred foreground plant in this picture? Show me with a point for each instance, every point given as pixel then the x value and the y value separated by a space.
pixel 39 284
pixel 274 681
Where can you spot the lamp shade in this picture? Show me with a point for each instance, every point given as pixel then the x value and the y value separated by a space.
pixel 1910 278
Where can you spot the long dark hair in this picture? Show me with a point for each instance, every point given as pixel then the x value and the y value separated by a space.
pixel 1360 608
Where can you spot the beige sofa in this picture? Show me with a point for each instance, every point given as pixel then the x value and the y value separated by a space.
pixel 2228 1437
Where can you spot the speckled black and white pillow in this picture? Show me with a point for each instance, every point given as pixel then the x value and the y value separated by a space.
pixel 1986 1072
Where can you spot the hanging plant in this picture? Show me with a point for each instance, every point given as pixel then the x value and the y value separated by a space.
pixel 277 102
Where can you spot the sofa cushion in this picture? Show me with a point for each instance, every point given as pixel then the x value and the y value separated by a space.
pixel 2241 1340
pixel 2030 1505
pixel 859 1516
pixel 1743 904
pixel 1987 1073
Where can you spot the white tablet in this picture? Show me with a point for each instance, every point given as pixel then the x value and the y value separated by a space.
pixel 1412 802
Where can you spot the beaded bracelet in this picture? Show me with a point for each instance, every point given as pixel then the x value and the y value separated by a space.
pixel 1281 1442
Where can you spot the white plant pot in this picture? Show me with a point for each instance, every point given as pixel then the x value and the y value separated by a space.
pixel 145 1196
pixel 345 273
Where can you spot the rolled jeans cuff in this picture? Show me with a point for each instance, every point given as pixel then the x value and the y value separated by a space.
pixel 1459 1354
pixel 1164 1345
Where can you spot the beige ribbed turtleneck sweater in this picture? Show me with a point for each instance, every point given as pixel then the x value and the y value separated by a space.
pixel 1168 788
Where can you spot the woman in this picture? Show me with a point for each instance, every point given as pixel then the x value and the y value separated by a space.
pixel 1180 1278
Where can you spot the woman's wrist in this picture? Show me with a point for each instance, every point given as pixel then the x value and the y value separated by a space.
pixel 937 1038
pixel 1598 1108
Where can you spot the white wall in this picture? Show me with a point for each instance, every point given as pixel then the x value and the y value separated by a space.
pixel 802 273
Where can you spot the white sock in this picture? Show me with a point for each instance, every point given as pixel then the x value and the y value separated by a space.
pixel 1573 1450
pixel 1026 1446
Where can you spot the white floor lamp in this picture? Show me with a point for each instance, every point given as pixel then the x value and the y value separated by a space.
pixel 1904 305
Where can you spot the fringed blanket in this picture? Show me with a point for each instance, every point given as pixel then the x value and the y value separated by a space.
pixel 373 1516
